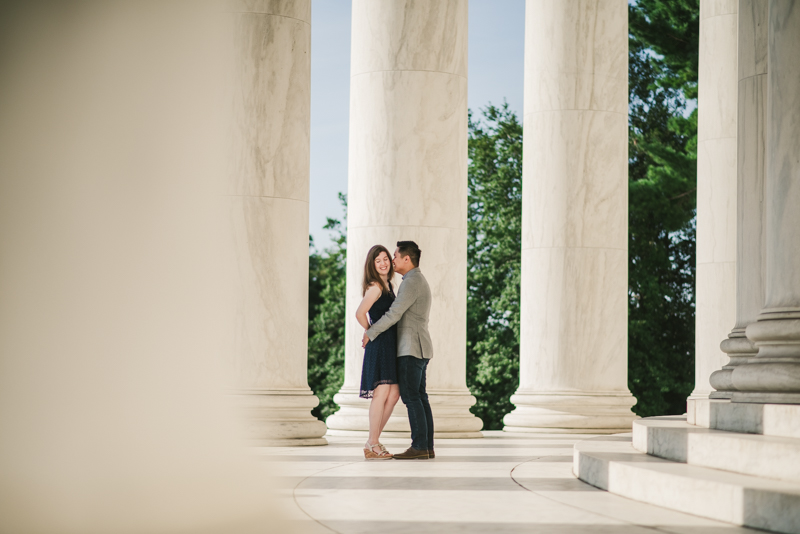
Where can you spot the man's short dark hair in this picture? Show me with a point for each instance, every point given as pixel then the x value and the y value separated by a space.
pixel 410 249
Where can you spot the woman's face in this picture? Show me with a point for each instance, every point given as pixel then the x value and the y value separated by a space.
pixel 383 264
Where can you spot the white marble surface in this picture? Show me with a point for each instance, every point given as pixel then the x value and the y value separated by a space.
pixel 775 375
pixel 408 181
pixel 580 60
pixel 569 306
pixel 568 412
pixel 778 420
pixel 673 439
pixel 783 168
pixel 751 256
pixel 279 417
pixel 716 187
pixel 702 412
pixel 408 151
pixel 715 313
pixel 718 67
pixel 272 106
pixel 409 35
pixel 753 35
pixel 295 9
pixel 504 483
pixel 739 349
pixel 713 296
pixel 612 463
pixel 573 354
pixel 715 8
pixel 575 190
pixel 270 268
pixel 716 200
pixel 750 227
pixel 267 216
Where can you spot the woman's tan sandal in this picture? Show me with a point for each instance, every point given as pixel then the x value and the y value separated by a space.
pixel 369 454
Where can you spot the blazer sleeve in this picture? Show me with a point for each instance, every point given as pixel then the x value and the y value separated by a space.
pixel 406 296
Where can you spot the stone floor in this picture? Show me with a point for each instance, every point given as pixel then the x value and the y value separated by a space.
pixel 499 484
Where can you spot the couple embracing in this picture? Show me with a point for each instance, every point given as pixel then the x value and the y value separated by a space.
pixel 397 348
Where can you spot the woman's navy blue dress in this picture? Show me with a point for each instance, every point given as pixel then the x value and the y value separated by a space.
pixel 380 356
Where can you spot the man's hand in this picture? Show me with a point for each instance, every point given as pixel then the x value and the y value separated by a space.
pixel 364 341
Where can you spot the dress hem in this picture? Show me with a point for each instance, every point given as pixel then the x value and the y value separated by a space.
pixel 368 394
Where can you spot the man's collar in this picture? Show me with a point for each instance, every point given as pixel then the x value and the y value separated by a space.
pixel 409 272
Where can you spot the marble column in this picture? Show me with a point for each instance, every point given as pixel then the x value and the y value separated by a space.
pixel 408 181
pixel 774 375
pixel 113 309
pixel 716 188
pixel 268 214
pixel 750 228
pixel 574 308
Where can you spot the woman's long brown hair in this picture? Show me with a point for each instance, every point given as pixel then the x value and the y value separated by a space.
pixel 371 274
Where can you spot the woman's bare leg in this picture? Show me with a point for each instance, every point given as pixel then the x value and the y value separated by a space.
pixel 391 399
pixel 376 409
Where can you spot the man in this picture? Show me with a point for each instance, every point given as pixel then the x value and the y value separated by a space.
pixel 410 310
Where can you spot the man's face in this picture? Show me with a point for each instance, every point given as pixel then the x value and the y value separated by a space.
pixel 400 262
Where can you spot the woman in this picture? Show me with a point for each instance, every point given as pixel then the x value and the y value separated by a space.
pixel 379 371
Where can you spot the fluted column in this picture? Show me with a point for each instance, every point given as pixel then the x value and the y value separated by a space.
pixel 408 181
pixel 573 353
pixel 268 214
pixel 716 188
pixel 774 375
pixel 750 238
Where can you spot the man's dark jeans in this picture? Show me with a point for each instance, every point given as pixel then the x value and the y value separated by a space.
pixel 411 377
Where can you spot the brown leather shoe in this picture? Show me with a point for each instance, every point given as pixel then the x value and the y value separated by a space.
pixel 431 454
pixel 411 454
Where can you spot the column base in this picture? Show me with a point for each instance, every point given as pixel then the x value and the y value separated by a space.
pixel 774 375
pixel 280 418
pixel 739 349
pixel 766 398
pixel 721 395
pixel 768 376
pixel 571 413
pixel 722 382
pixel 451 416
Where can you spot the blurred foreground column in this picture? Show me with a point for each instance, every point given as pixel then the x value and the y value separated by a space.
pixel 573 353
pixel 750 228
pixel 268 214
pixel 774 375
pixel 112 307
pixel 408 181
pixel 716 190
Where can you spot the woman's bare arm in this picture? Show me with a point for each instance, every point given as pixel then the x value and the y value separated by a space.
pixel 373 294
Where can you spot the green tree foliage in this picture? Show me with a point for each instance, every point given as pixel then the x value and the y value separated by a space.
pixel 671 29
pixel 662 201
pixel 493 262
pixel 326 314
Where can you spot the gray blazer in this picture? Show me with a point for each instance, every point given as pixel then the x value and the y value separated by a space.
pixel 410 310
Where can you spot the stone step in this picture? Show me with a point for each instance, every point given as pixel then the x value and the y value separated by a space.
pixel 611 463
pixel 780 420
pixel 672 438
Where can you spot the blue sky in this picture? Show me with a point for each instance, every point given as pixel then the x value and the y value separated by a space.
pixel 496 46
